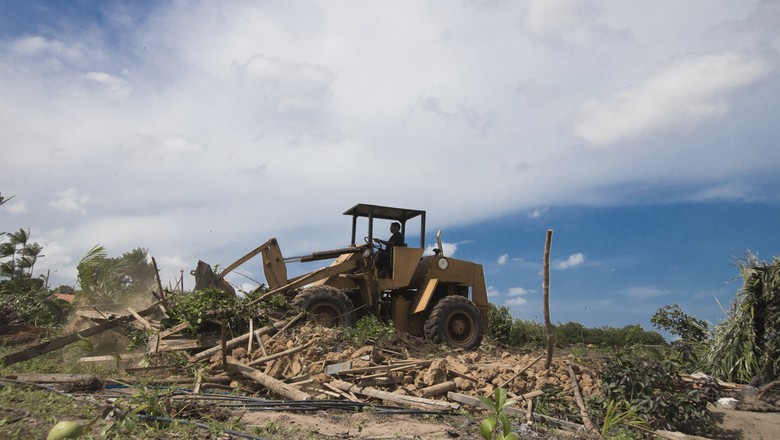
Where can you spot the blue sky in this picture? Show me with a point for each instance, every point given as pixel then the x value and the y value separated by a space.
pixel 644 134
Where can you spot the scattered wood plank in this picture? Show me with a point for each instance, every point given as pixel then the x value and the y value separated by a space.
pixel 386 367
pixel 241 339
pixel 178 344
pixel 269 358
pixel 415 402
pixel 54 344
pixel 111 357
pixel 552 421
pixel 583 411
pixel 349 396
pixel 173 330
pixel 140 319
pixel 285 390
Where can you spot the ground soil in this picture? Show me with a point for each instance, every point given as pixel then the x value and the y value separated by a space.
pixel 748 425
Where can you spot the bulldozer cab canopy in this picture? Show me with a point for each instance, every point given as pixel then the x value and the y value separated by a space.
pixel 400 215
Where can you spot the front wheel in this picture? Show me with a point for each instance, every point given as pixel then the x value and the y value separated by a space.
pixel 456 321
pixel 327 305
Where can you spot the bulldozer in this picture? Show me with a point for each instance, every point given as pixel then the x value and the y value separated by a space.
pixel 434 296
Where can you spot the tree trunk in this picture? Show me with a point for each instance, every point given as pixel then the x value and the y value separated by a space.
pixel 546 287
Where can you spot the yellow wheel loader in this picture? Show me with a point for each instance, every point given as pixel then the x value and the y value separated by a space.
pixel 441 298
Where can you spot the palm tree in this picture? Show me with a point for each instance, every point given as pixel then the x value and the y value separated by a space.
pixel 31 254
pixel 17 240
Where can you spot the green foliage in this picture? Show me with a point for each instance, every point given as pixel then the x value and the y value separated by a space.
pixel 620 416
pixel 19 254
pixel 747 343
pixel 497 426
pixel 506 330
pixel 368 327
pixel 500 323
pixel 23 298
pixel 196 307
pixel 105 280
pixel 652 386
pixel 672 319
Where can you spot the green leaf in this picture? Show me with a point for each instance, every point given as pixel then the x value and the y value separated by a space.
pixel 499 395
pixel 486 428
pixel 505 425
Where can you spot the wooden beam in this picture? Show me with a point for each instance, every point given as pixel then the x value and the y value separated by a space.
pixel 416 402
pixel 269 358
pixel 285 390
pixel 140 319
pixel 583 411
pixel 54 344
pixel 241 339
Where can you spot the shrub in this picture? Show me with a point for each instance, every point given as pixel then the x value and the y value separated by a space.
pixel 655 389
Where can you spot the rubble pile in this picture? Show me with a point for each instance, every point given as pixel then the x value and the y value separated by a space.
pixel 403 365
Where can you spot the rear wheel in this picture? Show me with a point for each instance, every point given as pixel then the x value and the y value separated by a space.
pixel 327 305
pixel 455 321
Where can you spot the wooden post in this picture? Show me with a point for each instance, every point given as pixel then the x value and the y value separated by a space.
pixel 546 288
pixel 223 340
pixel 277 386
pixel 159 283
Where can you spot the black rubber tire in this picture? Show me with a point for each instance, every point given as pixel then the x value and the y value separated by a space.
pixel 455 321
pixel 327 305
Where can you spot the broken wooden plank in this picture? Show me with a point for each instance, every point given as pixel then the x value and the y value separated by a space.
pixel 178 344
pixel 154 344
pixel 386 367
pixel 284 353
pixel 111 357
pixel 277 386
pixel 54 344
pixel 173 330
pixel 140 319
pixel 241 339
pixel 415 402
pixel 348 396
pixel 583 412
pixel 475 402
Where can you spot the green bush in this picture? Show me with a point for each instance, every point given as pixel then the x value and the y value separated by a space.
pixel 368 327
pixel 654 388
pixel 198 306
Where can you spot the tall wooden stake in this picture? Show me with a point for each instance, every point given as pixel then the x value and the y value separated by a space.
pixel 546 287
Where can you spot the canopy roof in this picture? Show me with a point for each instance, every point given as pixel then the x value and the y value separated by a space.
pixel 383 212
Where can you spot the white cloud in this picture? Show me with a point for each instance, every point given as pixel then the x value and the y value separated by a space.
pixel 517 291
pixel 115 87
pixel 517 296
pixel 502 259
pixel 229 123
pixel 677 98
pixel 574 260
pixel 16 208
pixel 448 250
pixel 536 213
pixel 70 201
